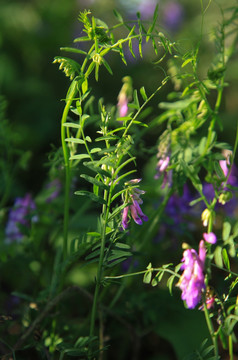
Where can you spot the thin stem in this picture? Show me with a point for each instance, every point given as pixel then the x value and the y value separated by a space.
pixel 230 347
pixel 69 99
pixel 211 329
pixel 143 272
pixel 143 105
pixel 106 209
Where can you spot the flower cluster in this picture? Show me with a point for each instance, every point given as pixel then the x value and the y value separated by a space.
pixel 133 195
pixel 20 216
pixel 192 280
pixel 124 96
pixel 163 157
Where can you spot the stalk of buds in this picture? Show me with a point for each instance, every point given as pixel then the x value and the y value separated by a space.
pixel 124 96
pixel 133 209
pixel 163 157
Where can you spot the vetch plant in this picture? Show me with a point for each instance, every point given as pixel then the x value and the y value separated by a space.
pixel 128 192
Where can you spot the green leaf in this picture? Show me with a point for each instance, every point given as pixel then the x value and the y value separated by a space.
pixel 122 53
pixel 131 48
pixel 143 93
pixel 136 100
pixel 95 150
pixel 202 144
pixel 82 38
pixel 123 176
pixel 75 140
pixel 151 28
pixel 91 196
pixel 90 68
pixel 226 230
pixel 102 138
pixel 124 118
pixel 194 202
pixel 118 16
pixel 73 50
pixel 226 259
pixel 72 125
pixel 94 181
pixel 118 194
pixel 186 62
pixel 218 258
pixel 147 277
pixel 177 105
pixel 88 137
pixel 170 283
pixel 94 255
pixel 124 164
pixel 122 246
pixel 219 170
pixel 116 254
pixel 94 234
pixel 92 165
pixel 79 157
pixel 107 66
pixel 117 210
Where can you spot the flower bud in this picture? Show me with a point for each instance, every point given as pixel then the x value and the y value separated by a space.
pixel 206 216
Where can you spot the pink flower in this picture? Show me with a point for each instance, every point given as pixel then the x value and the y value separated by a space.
pixel 134 209
pixel 210 238
pixel 192 281
pixel 122 105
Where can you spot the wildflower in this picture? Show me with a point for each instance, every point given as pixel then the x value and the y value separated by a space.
pixel 224 164
pixel 134 209
pixel 124 96
pixel 20 217
pixel 54 187
pixel 210 300
pixel 225 197
pixel 173 15
pixel 163 156
pixel 206 215
pixel 192 280
pixel 210 238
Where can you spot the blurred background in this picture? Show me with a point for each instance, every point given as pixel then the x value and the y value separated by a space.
pixel 31 34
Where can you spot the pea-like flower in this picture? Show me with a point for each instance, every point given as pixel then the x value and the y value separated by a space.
pixel 192 281
pixel 206 215
pixel 210 238
pixel 20 217
pixel 122 105
pixel 134 209
pixel 163 157
pixel 124 96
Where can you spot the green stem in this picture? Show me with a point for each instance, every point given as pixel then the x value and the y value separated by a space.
pixel 143 272
pixel 106 209
pixel 211 329
pixel 69 99
pixel 230 347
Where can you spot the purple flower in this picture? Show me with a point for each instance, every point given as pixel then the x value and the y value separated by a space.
pixel 173 15
pixel 192 280
pixel 54 187
pixel 133 209
pixel 210 238
pixel 124 96
pixel 224 164
pixel 20 217
pixel 147 8
pixel 163 157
